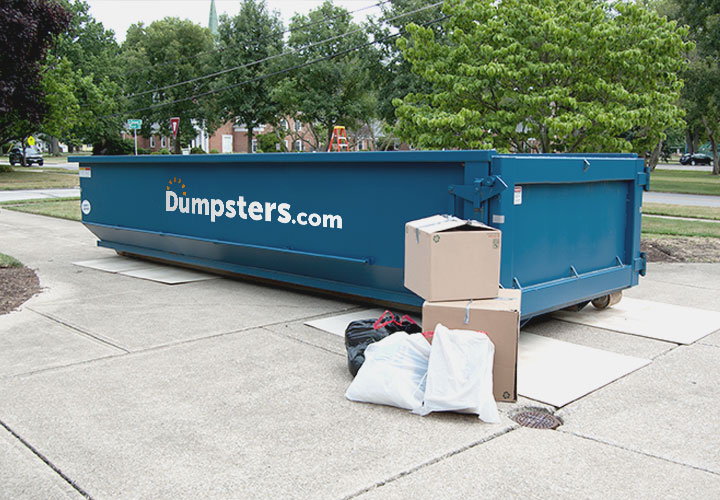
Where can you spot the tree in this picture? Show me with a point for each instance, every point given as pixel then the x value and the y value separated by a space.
pixel 394 77
pixel 333 90
pixel 253 35
pixel 28 28
pixel 702 95
pixel 94 80
pixel 157 58
pixel 551 75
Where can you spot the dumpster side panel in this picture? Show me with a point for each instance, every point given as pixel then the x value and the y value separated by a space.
pixel 335 221
pixel 333 225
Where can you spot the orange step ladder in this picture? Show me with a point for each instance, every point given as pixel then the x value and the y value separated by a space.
pixel 338 139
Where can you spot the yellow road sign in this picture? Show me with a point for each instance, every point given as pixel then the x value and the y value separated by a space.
pixel 31 141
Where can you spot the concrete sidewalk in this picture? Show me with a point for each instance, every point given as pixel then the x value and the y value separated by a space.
pixel 697 200
pixel 113 388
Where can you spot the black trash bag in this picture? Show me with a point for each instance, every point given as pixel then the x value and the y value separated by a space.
pixel 360 334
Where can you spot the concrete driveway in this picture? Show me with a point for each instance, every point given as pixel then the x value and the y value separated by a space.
pixel 113 387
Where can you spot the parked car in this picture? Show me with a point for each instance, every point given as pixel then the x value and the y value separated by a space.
pixel 696 159
pixel 31 156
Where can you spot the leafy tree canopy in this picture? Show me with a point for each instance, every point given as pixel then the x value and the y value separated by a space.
pixel 83 81
pixel 550 75
pixel 165 53
pixel 255 34
pixel 332 91
pixel 701 97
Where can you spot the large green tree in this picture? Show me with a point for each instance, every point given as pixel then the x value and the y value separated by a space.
pixel 550 75
pixel 393 75
pixel 83 82
pixel 254 34
pixel 333 90
pixel 702 94
pixel 160 59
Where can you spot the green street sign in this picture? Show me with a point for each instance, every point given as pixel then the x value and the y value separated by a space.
pixel 134 124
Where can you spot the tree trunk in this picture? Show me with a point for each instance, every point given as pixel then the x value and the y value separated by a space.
pixel 652 161
pixel 249 139
pixel 176 144
pixel 54 146
pixel 713 143
pixel 689 141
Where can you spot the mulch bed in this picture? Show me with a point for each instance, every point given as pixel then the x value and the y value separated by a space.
pixel 682 249
pixel 17 284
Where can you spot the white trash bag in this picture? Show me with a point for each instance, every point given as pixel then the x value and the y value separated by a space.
pixel 393 373
pixel 459 376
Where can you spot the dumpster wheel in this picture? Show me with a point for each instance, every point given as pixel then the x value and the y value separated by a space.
pixel 577 307
pixel 607 300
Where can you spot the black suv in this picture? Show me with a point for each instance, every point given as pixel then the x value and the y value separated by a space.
pixel 31 156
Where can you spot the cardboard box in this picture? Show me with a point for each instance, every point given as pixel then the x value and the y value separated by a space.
pixel 499 318
pixel 447 258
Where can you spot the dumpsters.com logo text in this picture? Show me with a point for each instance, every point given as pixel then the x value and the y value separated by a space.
pixel 266 211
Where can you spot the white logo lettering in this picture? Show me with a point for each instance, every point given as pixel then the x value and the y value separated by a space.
pixel 244 210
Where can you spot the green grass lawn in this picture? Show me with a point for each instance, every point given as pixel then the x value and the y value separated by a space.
pixel 657 226
pixel 63 208
pixel 7 261
pixel 20 178
pixel 681 181
pixel 681 211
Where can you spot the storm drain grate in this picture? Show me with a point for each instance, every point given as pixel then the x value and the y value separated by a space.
pixel 537 419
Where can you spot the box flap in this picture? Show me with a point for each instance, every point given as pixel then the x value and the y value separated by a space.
pixel 439 223
pixel 507 300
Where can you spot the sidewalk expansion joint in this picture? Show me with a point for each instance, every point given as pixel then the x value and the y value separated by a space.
pixel 699 287
pixel 430 462
pixel 303 342
pixel 639 452
pixel 231 332
pixel 81 331
pixel 46 461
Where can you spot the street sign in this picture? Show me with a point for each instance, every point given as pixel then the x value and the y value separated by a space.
pixel 135 124
pixel 175 124
pixel 31 141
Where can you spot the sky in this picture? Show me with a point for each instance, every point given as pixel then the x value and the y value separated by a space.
pixel 118 15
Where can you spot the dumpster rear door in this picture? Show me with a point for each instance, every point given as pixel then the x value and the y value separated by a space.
pixel 570 226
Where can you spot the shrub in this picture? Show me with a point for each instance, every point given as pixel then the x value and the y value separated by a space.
pixel 197 151
pixel 270 143
pixel 214 151
pixel 114 146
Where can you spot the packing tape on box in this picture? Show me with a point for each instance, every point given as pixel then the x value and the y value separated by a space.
pixel 446 217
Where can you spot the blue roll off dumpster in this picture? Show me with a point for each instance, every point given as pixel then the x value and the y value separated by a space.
pixel 335 221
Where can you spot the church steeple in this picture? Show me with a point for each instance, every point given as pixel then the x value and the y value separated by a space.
pixel 213 22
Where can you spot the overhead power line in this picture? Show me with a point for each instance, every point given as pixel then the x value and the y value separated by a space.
pixel 272 35
pixel 275 73
pixel 282 54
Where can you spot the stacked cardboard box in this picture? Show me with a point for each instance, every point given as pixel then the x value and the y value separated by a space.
pixel 454 265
